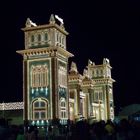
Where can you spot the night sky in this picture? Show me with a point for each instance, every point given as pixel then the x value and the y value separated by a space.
pixel 97 30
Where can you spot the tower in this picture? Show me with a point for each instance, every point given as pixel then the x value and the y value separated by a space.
pixel 45 68
pixel 74 83
pixel 102 95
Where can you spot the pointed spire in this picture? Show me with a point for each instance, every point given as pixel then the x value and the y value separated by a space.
pixel 73 67
pixel 52 19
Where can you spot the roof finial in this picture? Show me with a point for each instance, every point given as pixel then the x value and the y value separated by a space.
pixel 29 23
pixel 59 19
pixel 85 73
pixel 89 62
pixel 106 61
pixel 73 67
pixel 52 19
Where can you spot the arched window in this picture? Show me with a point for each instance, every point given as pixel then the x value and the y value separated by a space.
pixel 63 104
pixel 39 37
pixel 93 74
pixel 71 109
pixel 57 37
pixel 60 39
pixel 46 36
pixel 40 109
pixel 32 38
pixel 96 96
pixel 100 95
pixel 63 40
pixel 101 72
pixel 63 108
pixel 97 72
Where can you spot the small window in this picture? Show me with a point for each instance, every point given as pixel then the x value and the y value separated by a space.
pixel 97 72
pixel 62 40
pixel 96 96
pixel 32 38
pixel 46 36
pixel 92 73
pixel 57 37
pixel 100 96
pixel 101 72
pixel 39 37
pixel 63 108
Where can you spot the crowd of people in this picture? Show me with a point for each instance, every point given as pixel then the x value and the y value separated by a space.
pixel 15 132
pixel 102 130
pixel 81 130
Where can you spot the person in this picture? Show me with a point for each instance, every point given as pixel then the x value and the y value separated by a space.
pixel 36 131
pixel 31 133
pixel 49 133
pixel 20 135
pixel 110 129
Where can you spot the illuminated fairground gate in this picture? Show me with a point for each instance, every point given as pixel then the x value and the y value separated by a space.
pixel 51 93
pixel 45 69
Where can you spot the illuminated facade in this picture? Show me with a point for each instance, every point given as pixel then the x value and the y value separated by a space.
pixel 50 90
pixel 91 94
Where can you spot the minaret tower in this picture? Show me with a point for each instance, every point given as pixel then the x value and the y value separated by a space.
pixel 45 68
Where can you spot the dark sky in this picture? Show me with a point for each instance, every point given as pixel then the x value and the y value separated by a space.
pixel 97 30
